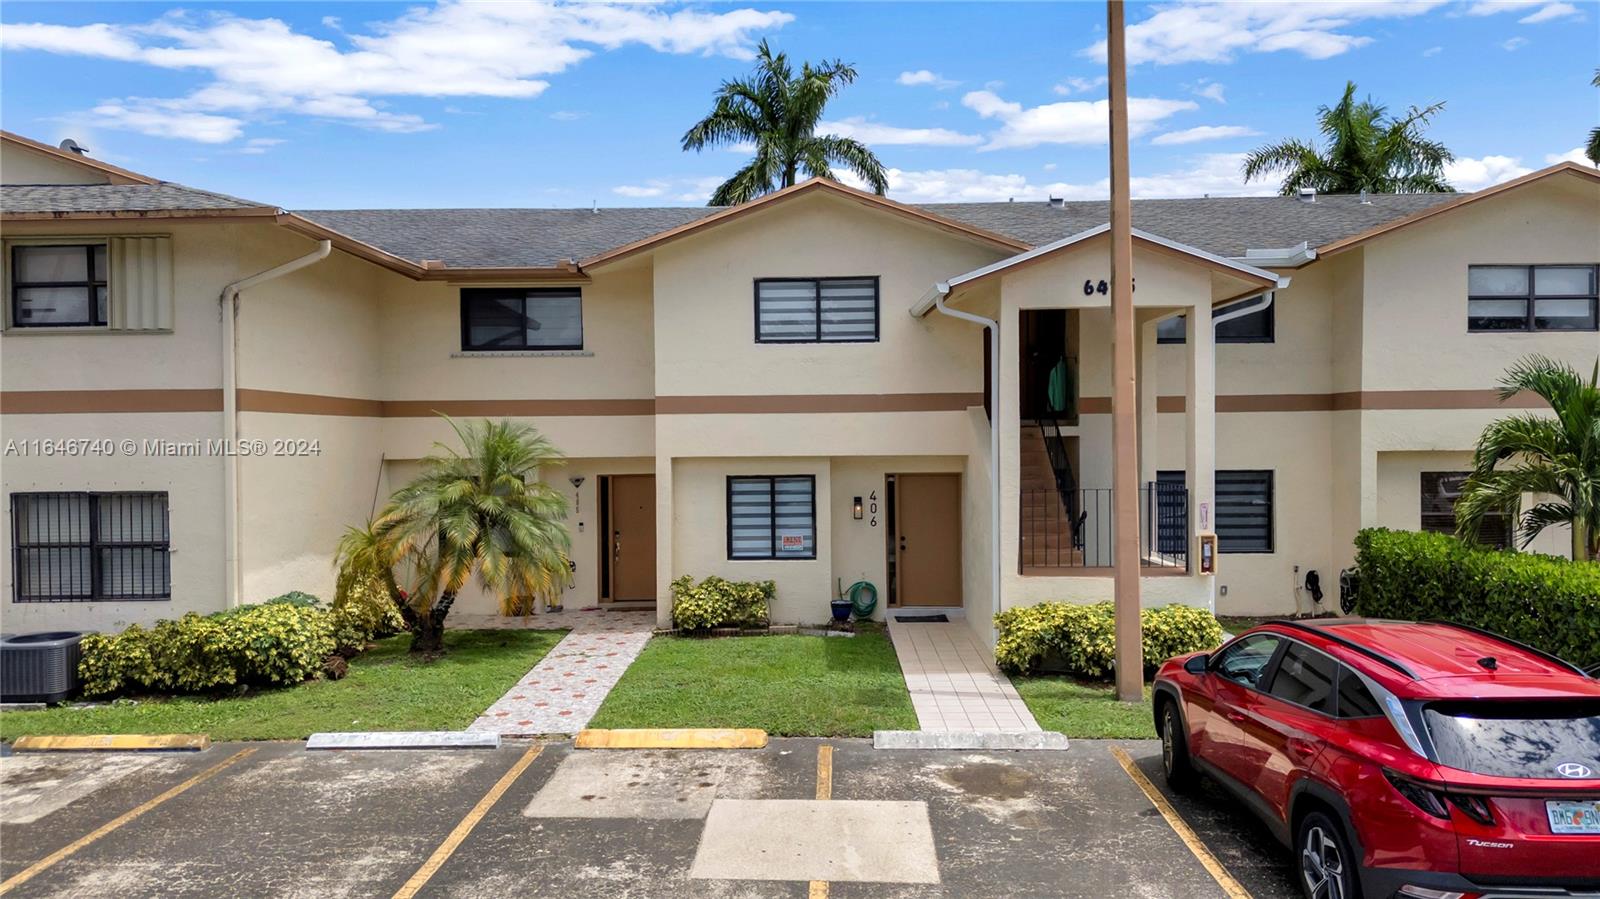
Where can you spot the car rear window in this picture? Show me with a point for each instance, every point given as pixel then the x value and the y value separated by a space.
pixel 1517 739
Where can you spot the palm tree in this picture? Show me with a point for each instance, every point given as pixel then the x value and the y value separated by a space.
pixel 481 511
pixel 1557 458
pixel 778 113
pixel 1593 150
pixel 1367 150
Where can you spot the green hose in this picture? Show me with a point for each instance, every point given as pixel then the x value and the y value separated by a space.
pixel 864 598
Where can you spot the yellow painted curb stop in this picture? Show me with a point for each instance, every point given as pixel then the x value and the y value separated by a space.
pixel 672 738
pixel 114 743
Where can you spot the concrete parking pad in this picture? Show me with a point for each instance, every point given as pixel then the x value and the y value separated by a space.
pixel 642 785
pixel 800 839
pixel 33 786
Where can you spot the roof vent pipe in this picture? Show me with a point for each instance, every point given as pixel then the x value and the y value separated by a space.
pixel 71 146
pixel 1308 195
pixel 1365 200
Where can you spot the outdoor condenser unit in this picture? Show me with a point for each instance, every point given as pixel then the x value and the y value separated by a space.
pixel 41 667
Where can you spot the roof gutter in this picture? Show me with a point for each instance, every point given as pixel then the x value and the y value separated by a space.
pixel 1281 257
pixel 934 299
pixel 230 407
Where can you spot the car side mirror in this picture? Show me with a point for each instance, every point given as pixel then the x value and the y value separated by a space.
pixel 1198 664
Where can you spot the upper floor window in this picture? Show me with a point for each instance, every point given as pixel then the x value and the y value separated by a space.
pixel 1532 298
pixel 1257 327
pixel 58 285
pixel 816 310
pixel 91 547
pixel 498 318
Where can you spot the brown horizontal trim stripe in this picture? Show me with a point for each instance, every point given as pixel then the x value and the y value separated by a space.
pixel 59 402
pixel 817 403
pixel 307 404
pixel 1369 400
pixel 516 408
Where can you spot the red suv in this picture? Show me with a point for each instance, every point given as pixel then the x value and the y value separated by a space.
pixel 1430 761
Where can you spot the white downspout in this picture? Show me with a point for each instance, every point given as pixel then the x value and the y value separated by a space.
pixel 230 407
pixel 1241 311
pixel 941 291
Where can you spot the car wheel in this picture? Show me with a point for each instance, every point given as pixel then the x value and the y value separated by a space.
pixel 1175 761
pixel 1328 865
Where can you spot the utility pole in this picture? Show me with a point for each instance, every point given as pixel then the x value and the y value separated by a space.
pixel 1124 390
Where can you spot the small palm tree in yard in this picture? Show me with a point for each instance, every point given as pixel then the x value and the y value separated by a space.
pixel 1557 459
pixel 778 111
pixel 1366 150
pixel 480 511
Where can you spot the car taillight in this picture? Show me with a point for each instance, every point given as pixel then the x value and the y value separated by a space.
pixel 1437 802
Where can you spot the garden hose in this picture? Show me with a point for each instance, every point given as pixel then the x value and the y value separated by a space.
pixel 863 598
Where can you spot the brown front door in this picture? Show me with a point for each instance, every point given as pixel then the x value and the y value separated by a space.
pixel 632 541
pixel 928 539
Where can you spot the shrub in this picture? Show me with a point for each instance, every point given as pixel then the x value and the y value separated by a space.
pixel 363 612
pixel 1544 601
pixel 1081 639
pixel 715 602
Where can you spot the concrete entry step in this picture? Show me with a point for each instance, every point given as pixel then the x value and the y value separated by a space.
pixel 971 740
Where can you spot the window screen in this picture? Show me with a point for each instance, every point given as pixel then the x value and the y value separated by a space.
pixel 772 517
pixel 1532 298
pixel 1244 511
pixel 816 310
pixel 1305 677
pixel 522 319
pixel 88 547
pixel 58 286
pixel 1440 490
pixel 1257 327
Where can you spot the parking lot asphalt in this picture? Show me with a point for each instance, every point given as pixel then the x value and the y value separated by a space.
pixel 798 818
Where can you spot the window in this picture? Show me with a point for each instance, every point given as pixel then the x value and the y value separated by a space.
pixel 1257 327
pixel 58 286
pixel 1355 700
pixel 1305 678
pixel 1527 738
pixel 1440 490
pixel 1245 661
pixel 89 547
pixel 1532 298
pixel 816 310
pixel 772 517
pixel 1244 511
pixel 495 319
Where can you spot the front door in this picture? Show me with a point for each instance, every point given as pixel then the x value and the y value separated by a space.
pixel 632 541
pixel 928 539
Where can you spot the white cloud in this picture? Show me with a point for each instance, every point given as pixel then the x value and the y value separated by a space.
pixel 1550 13
pixel 1466 173
pixel 1216 174
pixel 1433 51
pixel 1542 10
pixel 1211 91
pixel 255 146
pixel 454 49
pixel 1515 43
pixel 1202 132
pixel 923 77
pixel 869 132
pixel 1069 122
pixel 1218 32
pixel 567 115
pixel 652 189
pixel 1573 155
pixel 1076 85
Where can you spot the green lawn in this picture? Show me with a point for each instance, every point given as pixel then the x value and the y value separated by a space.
pixel 786 685
pixel 1085 710
pixel 386 689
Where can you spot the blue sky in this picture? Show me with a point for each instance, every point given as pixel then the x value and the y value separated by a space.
pixel 528 104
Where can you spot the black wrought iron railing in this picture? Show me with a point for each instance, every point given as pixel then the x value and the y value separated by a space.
pixel 1079 532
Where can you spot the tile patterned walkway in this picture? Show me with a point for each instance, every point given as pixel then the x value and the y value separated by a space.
pixel 565 689
pixel 954 683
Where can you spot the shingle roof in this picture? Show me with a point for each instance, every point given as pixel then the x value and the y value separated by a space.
pixel 1226 226
pixel 165 196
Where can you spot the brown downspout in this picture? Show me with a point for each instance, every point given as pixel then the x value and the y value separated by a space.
pixel 1124 389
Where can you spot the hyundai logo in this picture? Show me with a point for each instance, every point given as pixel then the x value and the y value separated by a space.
pixel 1574 769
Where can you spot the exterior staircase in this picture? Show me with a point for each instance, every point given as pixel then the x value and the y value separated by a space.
pixel 1046 526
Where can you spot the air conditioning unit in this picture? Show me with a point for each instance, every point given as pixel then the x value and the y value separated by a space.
pixel 41 667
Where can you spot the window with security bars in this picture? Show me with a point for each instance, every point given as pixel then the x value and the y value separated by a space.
pixel 816 310
pixel 1244 511
pixel 1533 297
pixel 1440 490
pixel 508 319
pixel 90 547
pixel 772 517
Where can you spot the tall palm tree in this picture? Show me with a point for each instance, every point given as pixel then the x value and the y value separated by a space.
pixel 778 112
pixel 1593 150
pixel 1557 458
pixel 479 511
pixel 1366 150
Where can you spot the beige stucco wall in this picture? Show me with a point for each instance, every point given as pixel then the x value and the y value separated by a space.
pixel 24 165
pixel 860 548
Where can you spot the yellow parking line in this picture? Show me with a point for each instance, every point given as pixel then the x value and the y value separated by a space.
pixel 28 873
pixel 1230 886
pixel 451 842
pixel 819 888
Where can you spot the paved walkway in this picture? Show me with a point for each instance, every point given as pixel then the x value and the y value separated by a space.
pixel 565 689
pixel 954 683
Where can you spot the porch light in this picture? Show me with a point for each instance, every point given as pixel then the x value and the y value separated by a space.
pixel 855 508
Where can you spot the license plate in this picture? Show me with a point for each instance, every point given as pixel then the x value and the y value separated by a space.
pixel 1574 817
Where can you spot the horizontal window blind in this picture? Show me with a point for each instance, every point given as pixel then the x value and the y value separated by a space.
pixel 772 517
pixel 817 310
pixel 1244 511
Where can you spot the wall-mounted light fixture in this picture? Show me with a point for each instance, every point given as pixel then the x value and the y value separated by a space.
pixel 855 509
pixel 577 494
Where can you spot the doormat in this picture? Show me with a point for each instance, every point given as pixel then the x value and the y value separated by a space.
pixel 917 619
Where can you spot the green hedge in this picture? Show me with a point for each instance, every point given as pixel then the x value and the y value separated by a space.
pixel 1544 601
pixel 1082 638
pixel 715 602
pixel 279 642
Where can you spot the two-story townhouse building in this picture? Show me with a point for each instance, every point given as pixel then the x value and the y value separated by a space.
pixel 803 388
